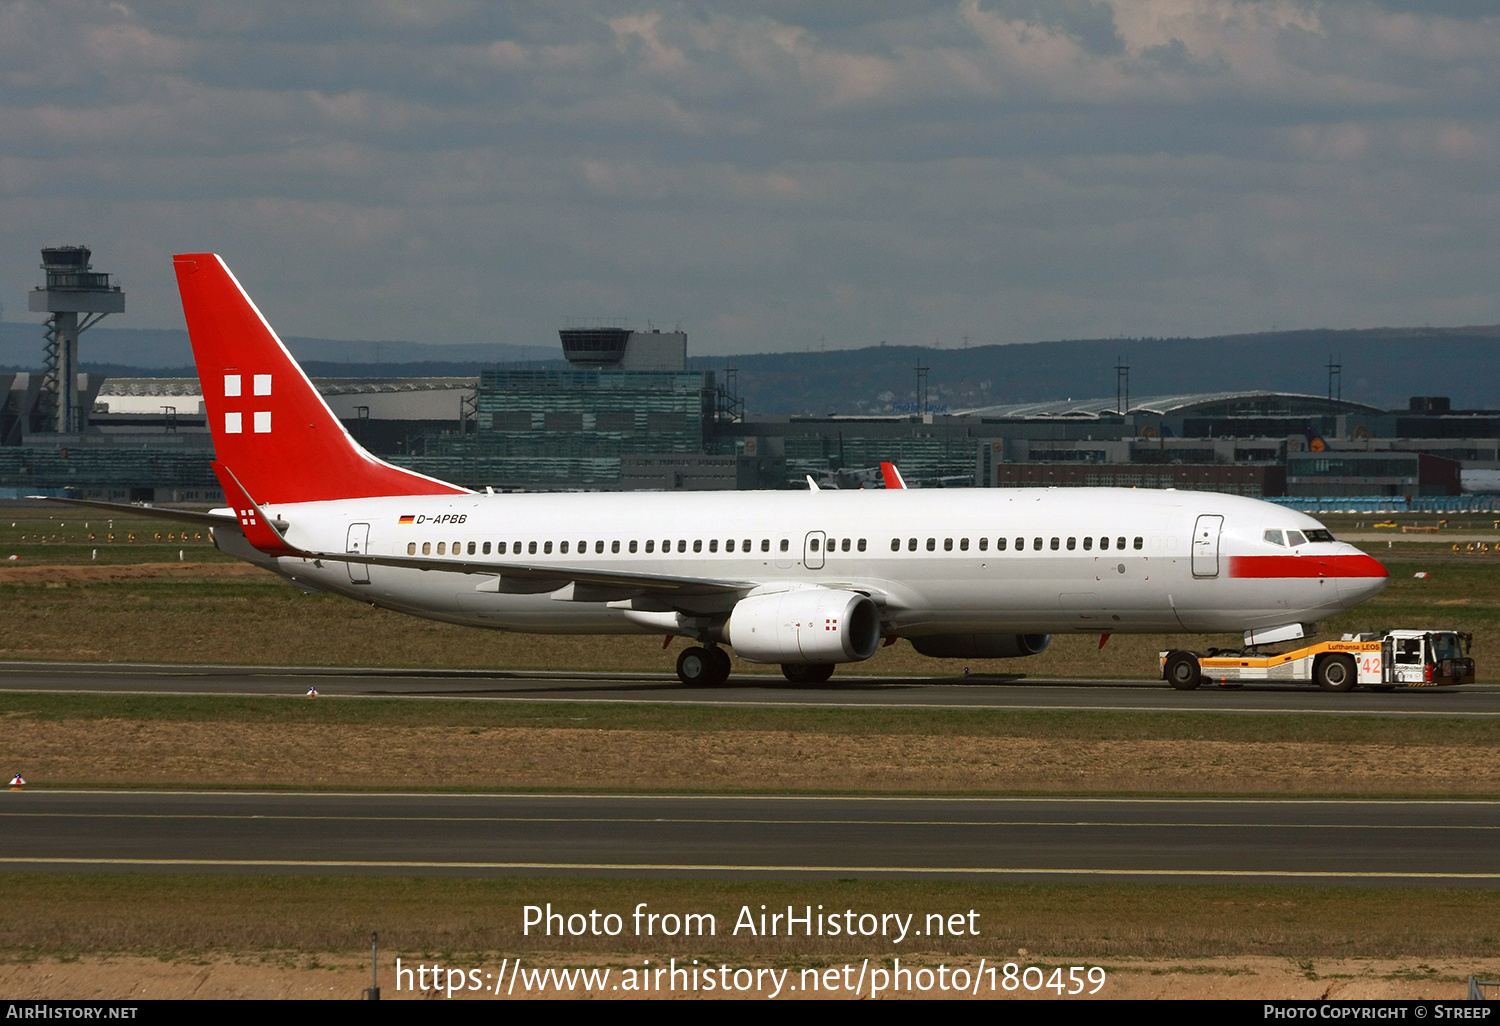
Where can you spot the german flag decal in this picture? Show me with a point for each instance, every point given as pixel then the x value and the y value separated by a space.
pixel 408 520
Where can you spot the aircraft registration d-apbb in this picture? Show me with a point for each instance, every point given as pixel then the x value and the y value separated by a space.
pixel 804 579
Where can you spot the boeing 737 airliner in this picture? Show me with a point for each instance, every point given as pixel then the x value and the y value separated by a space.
pixel 806 579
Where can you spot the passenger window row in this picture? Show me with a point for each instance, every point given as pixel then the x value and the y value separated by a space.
pixel 459 548
pixel 545 548
pixel 1001 544
pixel 833 544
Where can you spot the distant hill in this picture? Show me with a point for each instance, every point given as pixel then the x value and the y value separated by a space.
pixel 1381 366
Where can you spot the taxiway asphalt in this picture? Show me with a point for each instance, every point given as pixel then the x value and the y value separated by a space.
pixel 845 690
pixel 1447 843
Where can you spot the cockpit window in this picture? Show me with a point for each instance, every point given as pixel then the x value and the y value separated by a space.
pixel 1320 535
pixel 1294 538
pixel 1274 537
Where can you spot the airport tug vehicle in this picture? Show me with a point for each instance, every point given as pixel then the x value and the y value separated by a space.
pixel 1381 661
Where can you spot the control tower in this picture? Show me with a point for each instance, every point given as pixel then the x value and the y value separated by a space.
pixel 617 348
pixel 72 288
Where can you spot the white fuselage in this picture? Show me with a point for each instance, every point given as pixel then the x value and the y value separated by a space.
pixel 932 559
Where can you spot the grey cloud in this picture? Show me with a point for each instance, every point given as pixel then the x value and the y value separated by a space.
pixel 766 173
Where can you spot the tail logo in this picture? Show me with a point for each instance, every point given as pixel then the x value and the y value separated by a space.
pixel 234 422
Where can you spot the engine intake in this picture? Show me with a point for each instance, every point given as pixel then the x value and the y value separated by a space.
pixel 810 625
pixel 981 646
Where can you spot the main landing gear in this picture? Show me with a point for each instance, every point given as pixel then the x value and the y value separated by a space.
pixel 703 667
pixel 807 673
pixel 708 667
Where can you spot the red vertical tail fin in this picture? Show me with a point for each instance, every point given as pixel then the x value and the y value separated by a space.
pixel 267 420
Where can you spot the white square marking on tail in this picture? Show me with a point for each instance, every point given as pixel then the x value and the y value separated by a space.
pixel 262 384
pixel 231 384
pixel 262 422
pixel 232 423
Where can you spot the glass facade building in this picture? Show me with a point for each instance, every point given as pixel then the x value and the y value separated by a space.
pixel 570 428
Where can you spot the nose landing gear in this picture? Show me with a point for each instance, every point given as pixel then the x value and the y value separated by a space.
pixel 703 667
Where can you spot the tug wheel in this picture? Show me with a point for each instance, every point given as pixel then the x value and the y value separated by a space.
pixel 1182 671
pixel 1335 673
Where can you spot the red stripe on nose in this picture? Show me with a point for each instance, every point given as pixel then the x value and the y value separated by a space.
pixel 1359 565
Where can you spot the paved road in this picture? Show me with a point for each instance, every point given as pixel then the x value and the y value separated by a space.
pixel 1365 842
pixel 846 690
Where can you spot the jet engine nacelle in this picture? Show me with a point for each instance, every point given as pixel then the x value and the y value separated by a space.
pixel 981 646
pixel 810 625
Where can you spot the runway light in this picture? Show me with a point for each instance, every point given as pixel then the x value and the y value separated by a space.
pixel 17 782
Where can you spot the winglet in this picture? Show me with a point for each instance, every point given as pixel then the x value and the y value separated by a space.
pixel 892 476
pixel 257 527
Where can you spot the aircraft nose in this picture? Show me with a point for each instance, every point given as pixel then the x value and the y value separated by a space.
pixel 1359 577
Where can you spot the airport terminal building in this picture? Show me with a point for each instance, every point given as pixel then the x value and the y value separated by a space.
pixel 625 412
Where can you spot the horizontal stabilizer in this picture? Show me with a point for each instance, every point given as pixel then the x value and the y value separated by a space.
pixel 145 509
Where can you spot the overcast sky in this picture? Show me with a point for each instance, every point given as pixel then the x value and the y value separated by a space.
pixel 771 175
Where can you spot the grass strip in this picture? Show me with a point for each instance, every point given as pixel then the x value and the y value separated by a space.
pixel 172 915
pixel 1083 725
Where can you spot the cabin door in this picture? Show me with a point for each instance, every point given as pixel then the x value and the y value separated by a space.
pixel 812 550
pixel 359 541
pixel 1206 545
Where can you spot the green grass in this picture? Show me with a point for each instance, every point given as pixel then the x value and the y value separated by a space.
pixel 1040 724
pixel 68 914
pixel 77 536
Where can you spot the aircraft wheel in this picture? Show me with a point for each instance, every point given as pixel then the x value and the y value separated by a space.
pixel 722 665
pixel 695 667
pixel 1182 671
pixel 1335 673
pixel 807 673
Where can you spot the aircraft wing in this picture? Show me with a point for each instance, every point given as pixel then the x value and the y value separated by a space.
pixel 552 576
pixel 590 584
pixel 269 536
pixel 530 577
